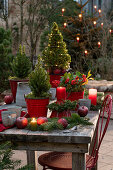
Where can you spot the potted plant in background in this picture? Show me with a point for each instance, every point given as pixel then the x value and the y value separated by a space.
pixel 55 56
pixel 21 67
pixel 38 99
pixel 75 84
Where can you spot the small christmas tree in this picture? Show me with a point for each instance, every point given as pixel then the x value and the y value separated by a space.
pixel 39 81
pixel 21 65
pixel 56 54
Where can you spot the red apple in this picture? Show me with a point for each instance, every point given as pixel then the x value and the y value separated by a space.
pixel 57 71
pixel 42 120
pixel 82 111
pixel 63 122
pixel 8 99
pixel 21 122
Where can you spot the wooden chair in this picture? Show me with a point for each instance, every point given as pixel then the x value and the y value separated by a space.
pixel 63 160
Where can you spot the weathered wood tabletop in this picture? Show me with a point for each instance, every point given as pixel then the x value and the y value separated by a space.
pixel 75 141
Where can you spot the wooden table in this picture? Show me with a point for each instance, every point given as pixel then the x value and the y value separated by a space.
pixel 76 141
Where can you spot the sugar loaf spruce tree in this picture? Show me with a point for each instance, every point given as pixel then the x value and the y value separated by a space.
pixel 56 54
pixel 82 35
pixel 21 65
pixel 39 81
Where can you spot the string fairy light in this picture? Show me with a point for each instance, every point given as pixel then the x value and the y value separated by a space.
pixel 85 52
pixel 99 11
pixel 65 24
pixel 80 17
pixel 102 24
pixel 95 7
pixel 99 44
pixel 94 22
pixel 78 39
pixel 63 9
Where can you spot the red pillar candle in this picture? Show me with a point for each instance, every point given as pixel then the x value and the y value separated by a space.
pixel 61 93
pixel 93 96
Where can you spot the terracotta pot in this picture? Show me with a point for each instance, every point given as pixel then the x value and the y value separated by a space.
pixel 37 107
pixel 13 85
pixel 75 95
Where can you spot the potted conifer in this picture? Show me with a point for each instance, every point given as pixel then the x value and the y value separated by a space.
pixel 21 67
pixel 38 99
pixel 55 56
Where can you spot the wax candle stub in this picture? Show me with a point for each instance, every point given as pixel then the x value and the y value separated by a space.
pixel 33 124
pixel 93 96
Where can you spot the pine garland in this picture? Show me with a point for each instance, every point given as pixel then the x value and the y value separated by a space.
pixel 52 124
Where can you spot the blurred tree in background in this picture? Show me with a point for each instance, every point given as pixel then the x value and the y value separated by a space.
pixel 5 57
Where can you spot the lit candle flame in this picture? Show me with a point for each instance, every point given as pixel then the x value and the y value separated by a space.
pixel 95 7
pixel 33 119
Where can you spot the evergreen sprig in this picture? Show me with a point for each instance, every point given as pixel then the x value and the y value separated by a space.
pixel 6 161
pixel 64 106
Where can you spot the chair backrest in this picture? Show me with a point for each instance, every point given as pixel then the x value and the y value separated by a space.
pixel 102 125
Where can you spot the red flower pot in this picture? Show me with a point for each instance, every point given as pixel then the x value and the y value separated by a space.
pixel 13 85
pixel 57 71
pixel 37 107
pixel 75 95
pixel 61 114
pixel 54 77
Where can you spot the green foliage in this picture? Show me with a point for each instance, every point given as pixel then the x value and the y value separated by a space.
pixel 6 161
pixel 52 123
pixel 54 14
pixel 39 81
pixel 56 53
pixel 75 82
pixel 21 64
pixel 5 57
pixel 60 107
pixel 89 37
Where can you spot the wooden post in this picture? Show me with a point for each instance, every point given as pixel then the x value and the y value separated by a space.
pixel 32 158
pixel 78 161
